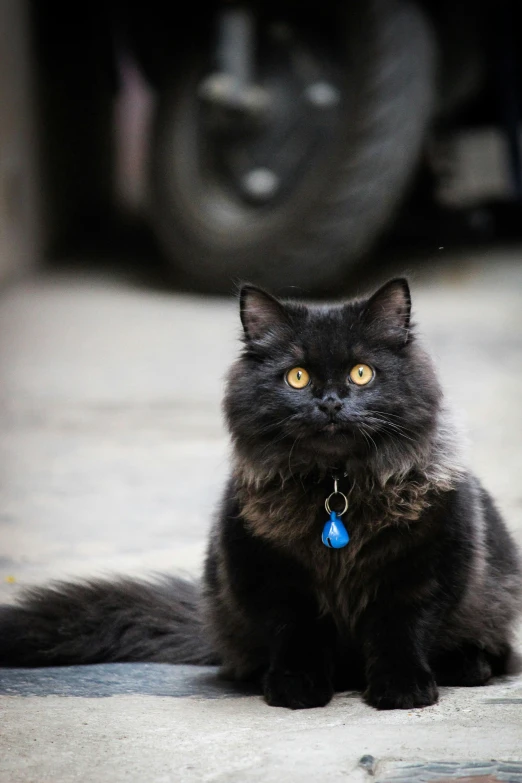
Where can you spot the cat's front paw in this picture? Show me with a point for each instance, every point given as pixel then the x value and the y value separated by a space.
pixel 297 690
pixel 402 693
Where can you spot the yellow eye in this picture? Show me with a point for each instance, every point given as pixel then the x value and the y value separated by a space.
pixel 361 374
pixel 297 378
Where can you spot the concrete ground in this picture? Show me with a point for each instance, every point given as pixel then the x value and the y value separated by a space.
pixel 113 453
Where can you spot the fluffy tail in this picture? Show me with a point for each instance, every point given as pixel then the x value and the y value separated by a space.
pixel 101 622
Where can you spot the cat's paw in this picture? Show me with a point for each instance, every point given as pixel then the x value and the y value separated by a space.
pixel 297 690
pixel 467 666
pixel 396 693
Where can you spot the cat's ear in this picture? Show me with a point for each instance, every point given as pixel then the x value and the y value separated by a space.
pixel 261 313
pixel 390 309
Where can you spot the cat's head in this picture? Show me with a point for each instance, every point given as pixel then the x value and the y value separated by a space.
pixel 330 385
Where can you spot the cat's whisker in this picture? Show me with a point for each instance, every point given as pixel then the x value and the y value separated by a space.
pixel 391 424
pixel 272 426
pixel 392 427
pixel 386 415
pixel 273 442
pixel 298 438
pixel 369 437
pixel 363 433
pixel 400 433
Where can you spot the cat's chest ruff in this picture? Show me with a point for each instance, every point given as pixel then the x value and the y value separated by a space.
pixel 344 580
pixel 379 522
pixel 293 514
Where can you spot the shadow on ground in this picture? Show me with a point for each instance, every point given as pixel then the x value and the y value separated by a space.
pixel 117 679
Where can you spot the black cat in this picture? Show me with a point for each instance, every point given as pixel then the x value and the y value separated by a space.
pixel 425 591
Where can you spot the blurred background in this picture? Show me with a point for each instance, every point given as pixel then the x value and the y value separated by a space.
pixel 151 157
pixel 294 144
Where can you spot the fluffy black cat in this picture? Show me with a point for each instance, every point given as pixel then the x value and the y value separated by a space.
pixel 425 592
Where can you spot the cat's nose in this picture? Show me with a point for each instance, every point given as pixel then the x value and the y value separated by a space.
pixel 330 405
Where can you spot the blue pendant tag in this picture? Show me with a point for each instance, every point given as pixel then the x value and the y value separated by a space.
pixel 335 535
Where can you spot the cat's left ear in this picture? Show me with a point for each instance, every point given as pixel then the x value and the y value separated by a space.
pixel 261 313
pixel 390 310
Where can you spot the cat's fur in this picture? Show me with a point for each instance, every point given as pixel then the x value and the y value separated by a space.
pixel 428 587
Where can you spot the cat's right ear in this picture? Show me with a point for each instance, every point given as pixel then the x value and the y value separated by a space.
pixel 261 313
